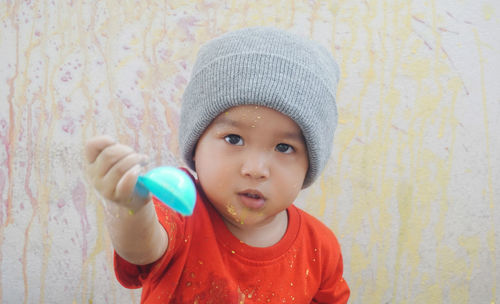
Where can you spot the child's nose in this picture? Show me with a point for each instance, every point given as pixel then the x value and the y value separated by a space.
pixel 256 165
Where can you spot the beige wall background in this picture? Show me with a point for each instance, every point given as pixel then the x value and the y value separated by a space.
pixel 412 188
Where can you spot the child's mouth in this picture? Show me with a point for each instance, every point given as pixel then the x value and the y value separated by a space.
pixel 252 199
pixel 250 195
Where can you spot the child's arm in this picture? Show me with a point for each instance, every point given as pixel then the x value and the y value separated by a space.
pixel 135 232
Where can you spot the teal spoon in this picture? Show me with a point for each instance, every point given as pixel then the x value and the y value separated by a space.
pixel 171 186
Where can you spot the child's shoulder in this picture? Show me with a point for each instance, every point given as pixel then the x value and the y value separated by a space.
pixel 315 229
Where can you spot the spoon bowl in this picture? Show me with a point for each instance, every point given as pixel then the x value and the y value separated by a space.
pixel 171 186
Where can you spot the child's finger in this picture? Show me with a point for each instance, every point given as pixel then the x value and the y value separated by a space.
pixel 126 186
pixel 95 145
pixel 117 172
pixel 108 158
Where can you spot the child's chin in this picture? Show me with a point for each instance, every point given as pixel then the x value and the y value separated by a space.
pixel 243 221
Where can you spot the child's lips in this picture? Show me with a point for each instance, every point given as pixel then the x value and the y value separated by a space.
pixel 252 199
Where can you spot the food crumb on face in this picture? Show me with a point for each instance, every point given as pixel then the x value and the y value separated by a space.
pixel 230 209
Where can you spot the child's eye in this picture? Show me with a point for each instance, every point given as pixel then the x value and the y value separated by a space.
pixel 284 148
pixel 234 139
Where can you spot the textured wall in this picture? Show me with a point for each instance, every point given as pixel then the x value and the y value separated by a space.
pixel 412 189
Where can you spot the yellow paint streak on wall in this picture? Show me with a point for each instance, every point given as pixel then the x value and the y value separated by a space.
pixel 429 173
pixel 314 16
pixel 49 90
pixel 322 197
pixel 489 186
pixel 44 203
pixel 89 263
pixel 398 27
pixel 39 172
pixel 452 267
pixel 344 140
pixel 109 32
pixel 471 244
pixel 433 294
pixel 369 210
pixel 488 11
pixel 454 86
pixel 360 257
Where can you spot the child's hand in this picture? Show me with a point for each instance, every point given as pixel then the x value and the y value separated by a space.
pixel 113 170
pixel 135 232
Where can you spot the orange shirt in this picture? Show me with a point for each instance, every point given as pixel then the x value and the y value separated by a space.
pixel 205 263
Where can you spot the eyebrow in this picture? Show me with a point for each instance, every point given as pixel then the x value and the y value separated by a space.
pixel 222 120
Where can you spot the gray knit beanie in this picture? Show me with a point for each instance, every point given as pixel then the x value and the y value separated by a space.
pixel 266 67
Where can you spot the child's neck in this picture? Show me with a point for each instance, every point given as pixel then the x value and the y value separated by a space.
pixel 262 236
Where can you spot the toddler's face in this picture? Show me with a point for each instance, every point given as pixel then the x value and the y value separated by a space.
pixel 251 162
